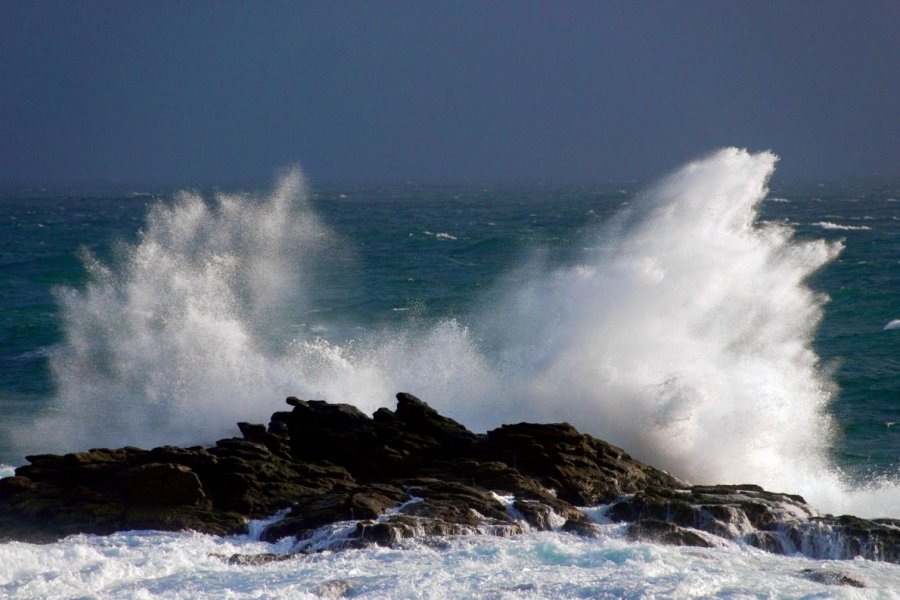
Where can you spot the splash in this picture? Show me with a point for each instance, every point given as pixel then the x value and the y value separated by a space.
pixel 169 343
pixel 687 339
pixel 684 336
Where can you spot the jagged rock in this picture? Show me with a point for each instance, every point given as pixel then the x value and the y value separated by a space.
pixel 582 470
pixel 663 532
pixel 727 511
pixel 407 473
pixel 779 523
pixel 344 505
pixel 451 437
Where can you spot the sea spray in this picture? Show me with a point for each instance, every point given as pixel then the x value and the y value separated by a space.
pixel 684 335
pixel 169 343
pixel 686 338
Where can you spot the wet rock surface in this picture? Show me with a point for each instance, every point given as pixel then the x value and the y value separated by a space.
pixel 831 578
pixel 350 480
pixel 779 523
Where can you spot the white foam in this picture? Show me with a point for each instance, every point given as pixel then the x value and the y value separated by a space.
pixel 894 324
pixel 539 565
pixel 440 235
pixel 256 527
pixel 7 471
pixel 838 227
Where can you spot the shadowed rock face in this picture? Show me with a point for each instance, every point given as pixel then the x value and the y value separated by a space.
pixel 352 480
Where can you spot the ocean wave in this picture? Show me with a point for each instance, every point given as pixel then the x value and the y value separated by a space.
pixel 894 324
pixel 440 235
pixel 684 337
pixel 838 227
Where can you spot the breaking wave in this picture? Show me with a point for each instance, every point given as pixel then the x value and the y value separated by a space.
pixel 837 227
pixel 684 336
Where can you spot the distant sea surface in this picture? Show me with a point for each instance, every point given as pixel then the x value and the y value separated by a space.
pixel 708 324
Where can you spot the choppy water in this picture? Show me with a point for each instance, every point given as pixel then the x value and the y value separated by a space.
pixel 540 565
pixel 716 328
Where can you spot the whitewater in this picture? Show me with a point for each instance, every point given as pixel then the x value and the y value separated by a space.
pixel 681 331
pixel 683 334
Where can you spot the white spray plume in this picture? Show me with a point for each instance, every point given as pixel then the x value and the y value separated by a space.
pixel 686 338
pixel 167 345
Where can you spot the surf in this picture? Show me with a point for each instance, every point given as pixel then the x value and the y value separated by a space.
pixel 684 334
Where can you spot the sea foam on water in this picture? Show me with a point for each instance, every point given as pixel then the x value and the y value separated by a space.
pixel 533 565
pixel 684 336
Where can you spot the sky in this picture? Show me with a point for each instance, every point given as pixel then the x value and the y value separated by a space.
pixel 454 91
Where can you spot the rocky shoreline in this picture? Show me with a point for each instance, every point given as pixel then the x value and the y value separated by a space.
pixel 338 478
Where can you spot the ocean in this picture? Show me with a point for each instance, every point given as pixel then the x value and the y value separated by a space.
pixel 719 323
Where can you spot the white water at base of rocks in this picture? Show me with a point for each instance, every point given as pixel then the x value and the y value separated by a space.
pixel 535 565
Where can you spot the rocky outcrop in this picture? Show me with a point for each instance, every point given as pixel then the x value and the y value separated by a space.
pixel 340 478
pixel 779 523
pixel 398 474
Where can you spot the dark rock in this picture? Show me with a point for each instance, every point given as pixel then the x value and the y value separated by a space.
pixel 831 578
pixel 396 528
pixel 536 514
pixel 252 431
pixel 780 523
pixel 383 415
pixel 768 541
pixel 278 428
pixel 371 504
pixel 333 507
pixel 842 537
pixel 580 526
pixel 408 473
pixel 15 485
pixel 425 420
pixel 582 470
pixel 653 530
pixel 728 511
pixel 164 484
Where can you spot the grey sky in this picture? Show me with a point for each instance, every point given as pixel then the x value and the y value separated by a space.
pixel 225 92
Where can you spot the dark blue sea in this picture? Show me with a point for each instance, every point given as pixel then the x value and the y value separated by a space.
pixel 720 323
